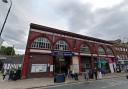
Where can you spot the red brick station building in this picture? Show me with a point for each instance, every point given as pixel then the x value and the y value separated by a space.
pixel 50 51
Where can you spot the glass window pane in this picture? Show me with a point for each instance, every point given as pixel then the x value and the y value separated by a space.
pixel 84 49
pixel 61 45
pixel 101 51
pixel 41 43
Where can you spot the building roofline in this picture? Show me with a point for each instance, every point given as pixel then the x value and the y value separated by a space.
pixel 54 30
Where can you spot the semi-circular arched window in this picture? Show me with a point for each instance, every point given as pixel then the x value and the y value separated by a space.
pixel 110 52
pixel 41 42
pixel 61 45
pixel 101 51
pixel 84 49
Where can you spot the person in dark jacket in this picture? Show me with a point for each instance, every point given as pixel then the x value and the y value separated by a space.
pixel 95 73
pixel 4 74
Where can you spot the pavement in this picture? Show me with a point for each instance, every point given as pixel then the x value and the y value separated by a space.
pixel 113 83
pixel 41 82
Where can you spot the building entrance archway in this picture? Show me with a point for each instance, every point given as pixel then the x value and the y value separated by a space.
pixel 61 65
pixel 62 61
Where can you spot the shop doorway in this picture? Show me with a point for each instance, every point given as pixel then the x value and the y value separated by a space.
pixel 61 65
pixel 85 63
pixel 102 65
pixel 105 67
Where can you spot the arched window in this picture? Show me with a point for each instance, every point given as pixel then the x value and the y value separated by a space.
pixel 110 52
pixel 61 45
pixel 84 49
pixel 101 51
pixel 41 42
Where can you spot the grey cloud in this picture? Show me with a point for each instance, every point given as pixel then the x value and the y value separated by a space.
pixel 79 15
pixel 113 24
pixel 105 23
pixel 15 31
pixel 17 26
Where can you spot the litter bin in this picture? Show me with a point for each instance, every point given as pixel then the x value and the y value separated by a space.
pixel 59 78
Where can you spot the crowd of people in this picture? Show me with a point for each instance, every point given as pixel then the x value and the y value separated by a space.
pixel 93 74
pixel 88 74
pixel 11 74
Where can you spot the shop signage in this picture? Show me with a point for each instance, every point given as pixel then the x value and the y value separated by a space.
pixel 62 53
pixel 39 68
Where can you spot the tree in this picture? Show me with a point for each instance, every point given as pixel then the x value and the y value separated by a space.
pixel 2 50
pixel 7 50
pixel 10 51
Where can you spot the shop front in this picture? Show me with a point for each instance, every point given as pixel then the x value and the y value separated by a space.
pixel 85 63
pixel 62 61
pixel 106 60
pixel 39 65
pixel 123 64
pixel 85 57
pixel 103 65
pixel 112 64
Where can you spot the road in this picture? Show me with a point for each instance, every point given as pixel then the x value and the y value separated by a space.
pixel 114 83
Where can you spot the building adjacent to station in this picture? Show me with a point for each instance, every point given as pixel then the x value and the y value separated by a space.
pixel 9 62
pixel 121 52
pixel 50 51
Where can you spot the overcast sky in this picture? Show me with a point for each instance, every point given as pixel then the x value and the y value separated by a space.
pixel 104 19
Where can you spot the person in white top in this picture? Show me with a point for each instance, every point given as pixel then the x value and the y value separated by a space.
pixel 86 75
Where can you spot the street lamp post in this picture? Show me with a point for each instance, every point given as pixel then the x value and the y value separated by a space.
pixel 5 1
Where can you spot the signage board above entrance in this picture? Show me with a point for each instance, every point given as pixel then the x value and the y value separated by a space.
pixel 64 53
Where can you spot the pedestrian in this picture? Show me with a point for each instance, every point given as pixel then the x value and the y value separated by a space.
pixel 99 74
pixel 76 76
pixel 95 73
pixel 86 75
pixel 7 75
pixel 91 73
pixel 72 74
pixel 69 73
pixel 4 74
pixel 103 71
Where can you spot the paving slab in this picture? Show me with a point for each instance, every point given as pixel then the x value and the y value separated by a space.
pixel 39 82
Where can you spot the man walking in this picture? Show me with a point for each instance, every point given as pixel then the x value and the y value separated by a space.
pixel 95 73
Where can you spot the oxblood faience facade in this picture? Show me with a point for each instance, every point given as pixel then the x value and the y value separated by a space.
pixel 78 52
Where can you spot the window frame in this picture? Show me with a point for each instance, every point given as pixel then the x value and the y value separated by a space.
pixel 84 49
pixel 101 53
pixel 108 51
pixel 61 44
pixel 41 43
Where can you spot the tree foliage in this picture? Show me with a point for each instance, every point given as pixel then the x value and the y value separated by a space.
pixel 7 51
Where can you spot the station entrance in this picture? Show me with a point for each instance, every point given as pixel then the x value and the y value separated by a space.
pixel 61 65
pixel 62 62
